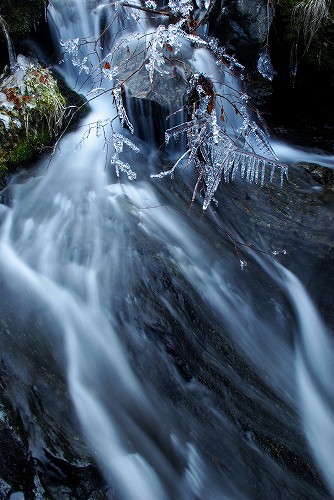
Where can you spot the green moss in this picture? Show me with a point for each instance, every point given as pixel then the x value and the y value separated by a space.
pixel 21 152
pixel 78 101
pixel 32 114
pixel 20 149
pixel 50 103
pixel 3 163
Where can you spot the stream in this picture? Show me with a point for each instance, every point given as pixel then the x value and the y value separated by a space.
pixel 187 355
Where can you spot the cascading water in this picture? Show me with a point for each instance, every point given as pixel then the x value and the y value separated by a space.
pixel 186 373
pixel 10 45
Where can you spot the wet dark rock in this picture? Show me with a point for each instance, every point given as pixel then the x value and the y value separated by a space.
pixel 242 25
pixel 301 101
pixel 167 91
pixel 42 451
pixel 323 175
pixel 298 219
pixel 150 103
pixel 49 476
pixel 5 197
pixel 191 342
pixel 13 456
pixel 259 90
pixel 4 489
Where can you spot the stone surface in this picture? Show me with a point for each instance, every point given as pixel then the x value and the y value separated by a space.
pixel 149 104
pixel 242 24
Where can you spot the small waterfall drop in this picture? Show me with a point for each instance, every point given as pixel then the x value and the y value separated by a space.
pixel 187 374
pixel 10 45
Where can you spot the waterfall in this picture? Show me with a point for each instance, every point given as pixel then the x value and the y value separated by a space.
pixel 189 376
pixel 10 45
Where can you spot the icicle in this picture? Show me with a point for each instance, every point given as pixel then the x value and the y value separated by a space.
pixel 284 172
pixel 263 171
pixel 243 166
pixel 263 142
pixel 272 172
pixel 281 177
pixel 212 181
pixel 252 170
pixel 249 166
pixel 256 170
pixel 228 166
pixel 117 94
pixel 236 165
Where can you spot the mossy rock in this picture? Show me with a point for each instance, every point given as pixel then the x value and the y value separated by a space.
pixel 34 110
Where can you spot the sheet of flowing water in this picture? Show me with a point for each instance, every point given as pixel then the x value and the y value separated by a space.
pixel 152 312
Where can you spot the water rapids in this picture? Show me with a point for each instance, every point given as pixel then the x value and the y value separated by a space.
pixel 191 377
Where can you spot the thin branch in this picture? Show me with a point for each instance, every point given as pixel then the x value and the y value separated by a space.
pixel 146 9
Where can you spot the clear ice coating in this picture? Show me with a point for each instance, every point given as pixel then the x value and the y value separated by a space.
pixel 264 65
pixel 243 264
pixel 221 156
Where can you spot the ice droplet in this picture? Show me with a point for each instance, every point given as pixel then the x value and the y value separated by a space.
pixel 243 264
pixel 277 252
pixel 264 65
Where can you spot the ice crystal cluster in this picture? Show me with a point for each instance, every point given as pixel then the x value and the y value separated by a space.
pixel 217 154
pixel 150 4
pixel 171 38
pixel 71 47
pixel 118 141
pixel 181 7
pixel 223 137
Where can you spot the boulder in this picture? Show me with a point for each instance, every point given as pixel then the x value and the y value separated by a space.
pixel 155 104
pixel 35 106
pixel 243 25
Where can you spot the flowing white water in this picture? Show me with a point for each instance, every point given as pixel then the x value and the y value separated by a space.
pixel 167 407
pixel 288 153
pixel 315 368
pixel 10 45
